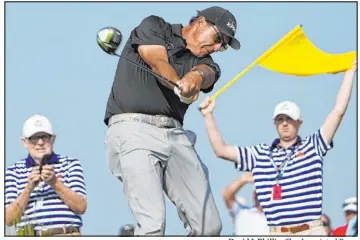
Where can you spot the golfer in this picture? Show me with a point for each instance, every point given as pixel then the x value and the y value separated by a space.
pixel 146 145
pixel 288 172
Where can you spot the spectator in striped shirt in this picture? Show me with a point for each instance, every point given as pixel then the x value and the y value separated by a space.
pixel 288 172
pixel 47 197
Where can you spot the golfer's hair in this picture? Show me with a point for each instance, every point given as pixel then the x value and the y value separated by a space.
pixel 193 19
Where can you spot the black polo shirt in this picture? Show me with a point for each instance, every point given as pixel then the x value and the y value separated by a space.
pixel 137 91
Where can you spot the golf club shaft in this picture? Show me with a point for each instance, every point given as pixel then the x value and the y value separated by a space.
pixel 150 71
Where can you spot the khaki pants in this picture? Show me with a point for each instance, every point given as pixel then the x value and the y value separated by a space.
pixel 316 229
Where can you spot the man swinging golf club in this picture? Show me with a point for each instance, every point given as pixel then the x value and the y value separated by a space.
pixel 146 145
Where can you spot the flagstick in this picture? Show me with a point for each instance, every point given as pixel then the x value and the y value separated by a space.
pixel 286 38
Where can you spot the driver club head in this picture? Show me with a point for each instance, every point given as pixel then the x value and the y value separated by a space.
pixel 109 39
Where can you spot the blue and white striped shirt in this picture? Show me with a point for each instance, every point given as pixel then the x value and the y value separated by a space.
pixel 301 181
pixel 45 208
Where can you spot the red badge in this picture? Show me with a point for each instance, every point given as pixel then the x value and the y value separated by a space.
pixel 300 154
pixel 277 192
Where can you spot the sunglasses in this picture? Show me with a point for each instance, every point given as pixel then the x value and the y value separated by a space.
pixel 280 120
pixel 45 138
pixel 219 38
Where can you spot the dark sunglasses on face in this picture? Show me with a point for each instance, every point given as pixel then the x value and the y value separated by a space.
pixel 282 119
pixel 219 38
pixel 45 138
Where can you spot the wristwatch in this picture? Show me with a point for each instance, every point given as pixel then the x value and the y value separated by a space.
pixel 199 72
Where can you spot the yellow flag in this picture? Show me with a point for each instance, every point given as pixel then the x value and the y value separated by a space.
pixel 298 56
pixel 294 54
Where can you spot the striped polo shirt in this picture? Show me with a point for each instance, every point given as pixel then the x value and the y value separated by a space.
pixel 45 208
pixel 301 181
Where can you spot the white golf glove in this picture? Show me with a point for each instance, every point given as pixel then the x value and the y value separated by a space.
pixel 182 98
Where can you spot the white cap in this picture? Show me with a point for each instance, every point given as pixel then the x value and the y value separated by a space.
pixel 35 124
pixel 350 204
pixel 288 108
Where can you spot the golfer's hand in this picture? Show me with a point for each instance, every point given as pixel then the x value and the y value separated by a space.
pixel 191 84
pixel 207 106
pixel 182 98
pixel 48 174
pixel 33 178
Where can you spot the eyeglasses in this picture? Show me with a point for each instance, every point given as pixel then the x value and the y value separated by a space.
pixel 45 138
pixel 219 38
pixel 325 224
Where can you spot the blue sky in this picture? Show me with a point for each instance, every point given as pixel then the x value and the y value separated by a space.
pixel 55 68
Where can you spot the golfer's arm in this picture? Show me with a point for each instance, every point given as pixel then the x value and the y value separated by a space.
pixel 217 143
pixel 156 57
pixel 209 76
pixel 230 190
pixel 333 120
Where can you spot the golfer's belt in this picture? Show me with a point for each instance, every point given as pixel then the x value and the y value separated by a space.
pixel 157 120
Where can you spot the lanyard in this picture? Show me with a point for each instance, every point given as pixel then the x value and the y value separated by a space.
pixel 283 165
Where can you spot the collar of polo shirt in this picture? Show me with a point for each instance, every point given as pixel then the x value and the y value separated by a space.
pixel 276 142
pixel 176 30
pixel 31 163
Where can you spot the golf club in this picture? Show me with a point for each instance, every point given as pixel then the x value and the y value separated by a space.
pixel 109 39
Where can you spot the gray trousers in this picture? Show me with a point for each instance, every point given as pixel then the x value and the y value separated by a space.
pixel 151 161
